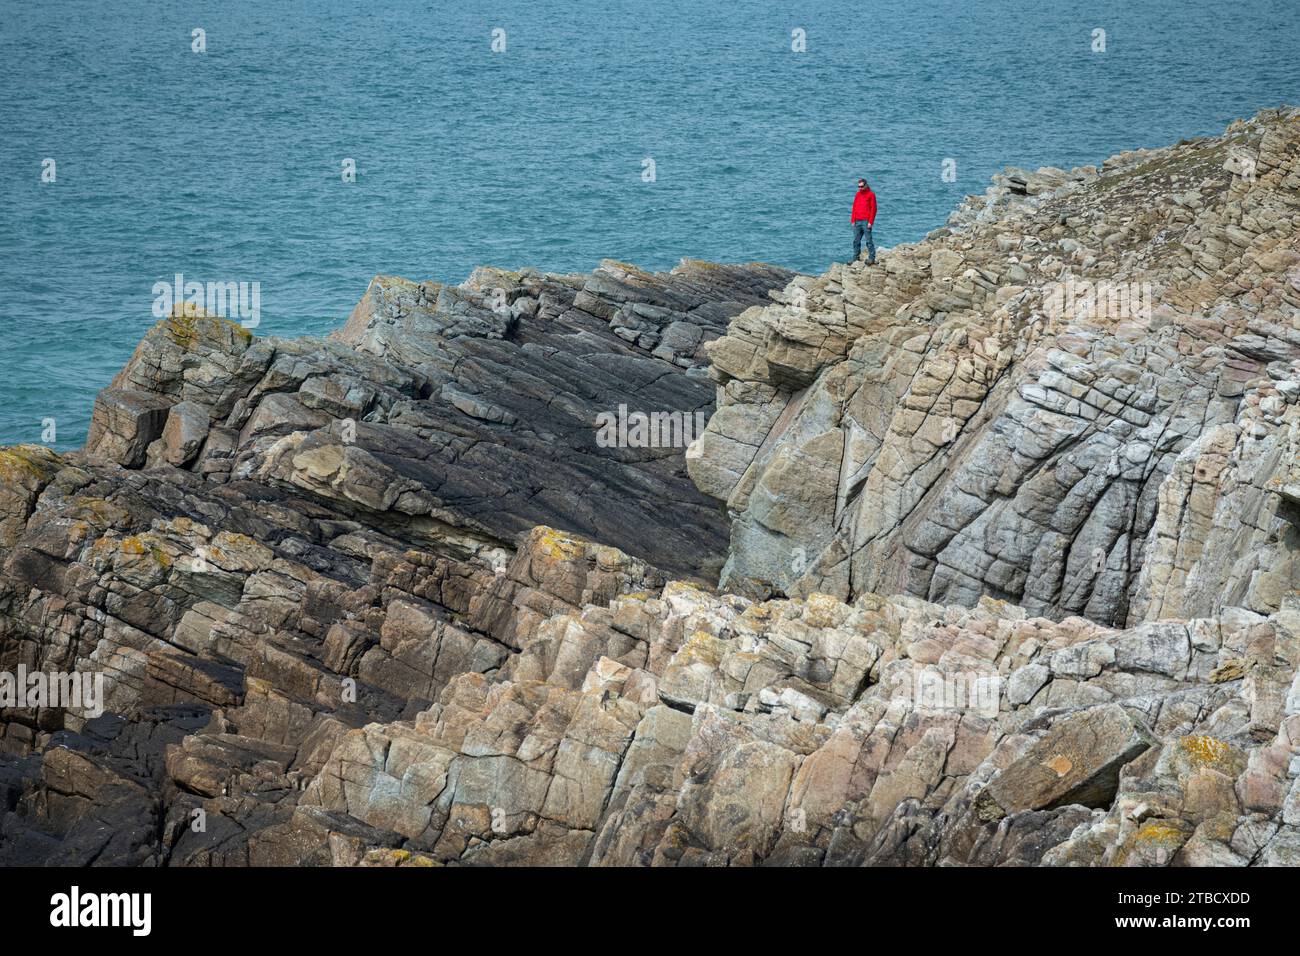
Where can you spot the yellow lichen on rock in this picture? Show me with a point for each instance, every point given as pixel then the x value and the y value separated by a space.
pixel 1205 750
pixel 28 463
pixel 189 324
pixel 557 544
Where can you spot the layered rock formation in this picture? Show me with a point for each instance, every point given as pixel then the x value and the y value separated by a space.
pixel 460 415
pixel 1011 576
pixel 1077 397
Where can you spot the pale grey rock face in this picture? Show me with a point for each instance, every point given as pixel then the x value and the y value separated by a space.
pixel 679 727
pixel 999 590
pixel 969 418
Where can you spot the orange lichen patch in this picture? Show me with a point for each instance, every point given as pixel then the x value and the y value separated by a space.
pixel 1203 750
pixel 133 546
pixel 1155 840
pixel 396 858
pixel 185 526
pixel 1160 832
pixel 1229 670
pixel 1060 765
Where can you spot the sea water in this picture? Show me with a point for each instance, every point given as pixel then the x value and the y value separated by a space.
pixel 306 147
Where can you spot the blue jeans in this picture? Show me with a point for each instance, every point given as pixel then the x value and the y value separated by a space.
pixel 863 228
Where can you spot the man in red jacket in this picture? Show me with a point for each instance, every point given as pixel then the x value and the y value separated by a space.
pixel 864 217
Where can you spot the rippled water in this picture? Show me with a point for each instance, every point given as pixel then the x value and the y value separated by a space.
pixel 226 166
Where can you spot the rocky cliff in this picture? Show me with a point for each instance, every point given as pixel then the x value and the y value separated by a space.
pixel 1074 398
pixel 1003 531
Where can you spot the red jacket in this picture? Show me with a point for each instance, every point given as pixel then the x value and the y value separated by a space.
pixel 864 206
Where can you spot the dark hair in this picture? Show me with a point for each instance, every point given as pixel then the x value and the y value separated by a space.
pixel 864 182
